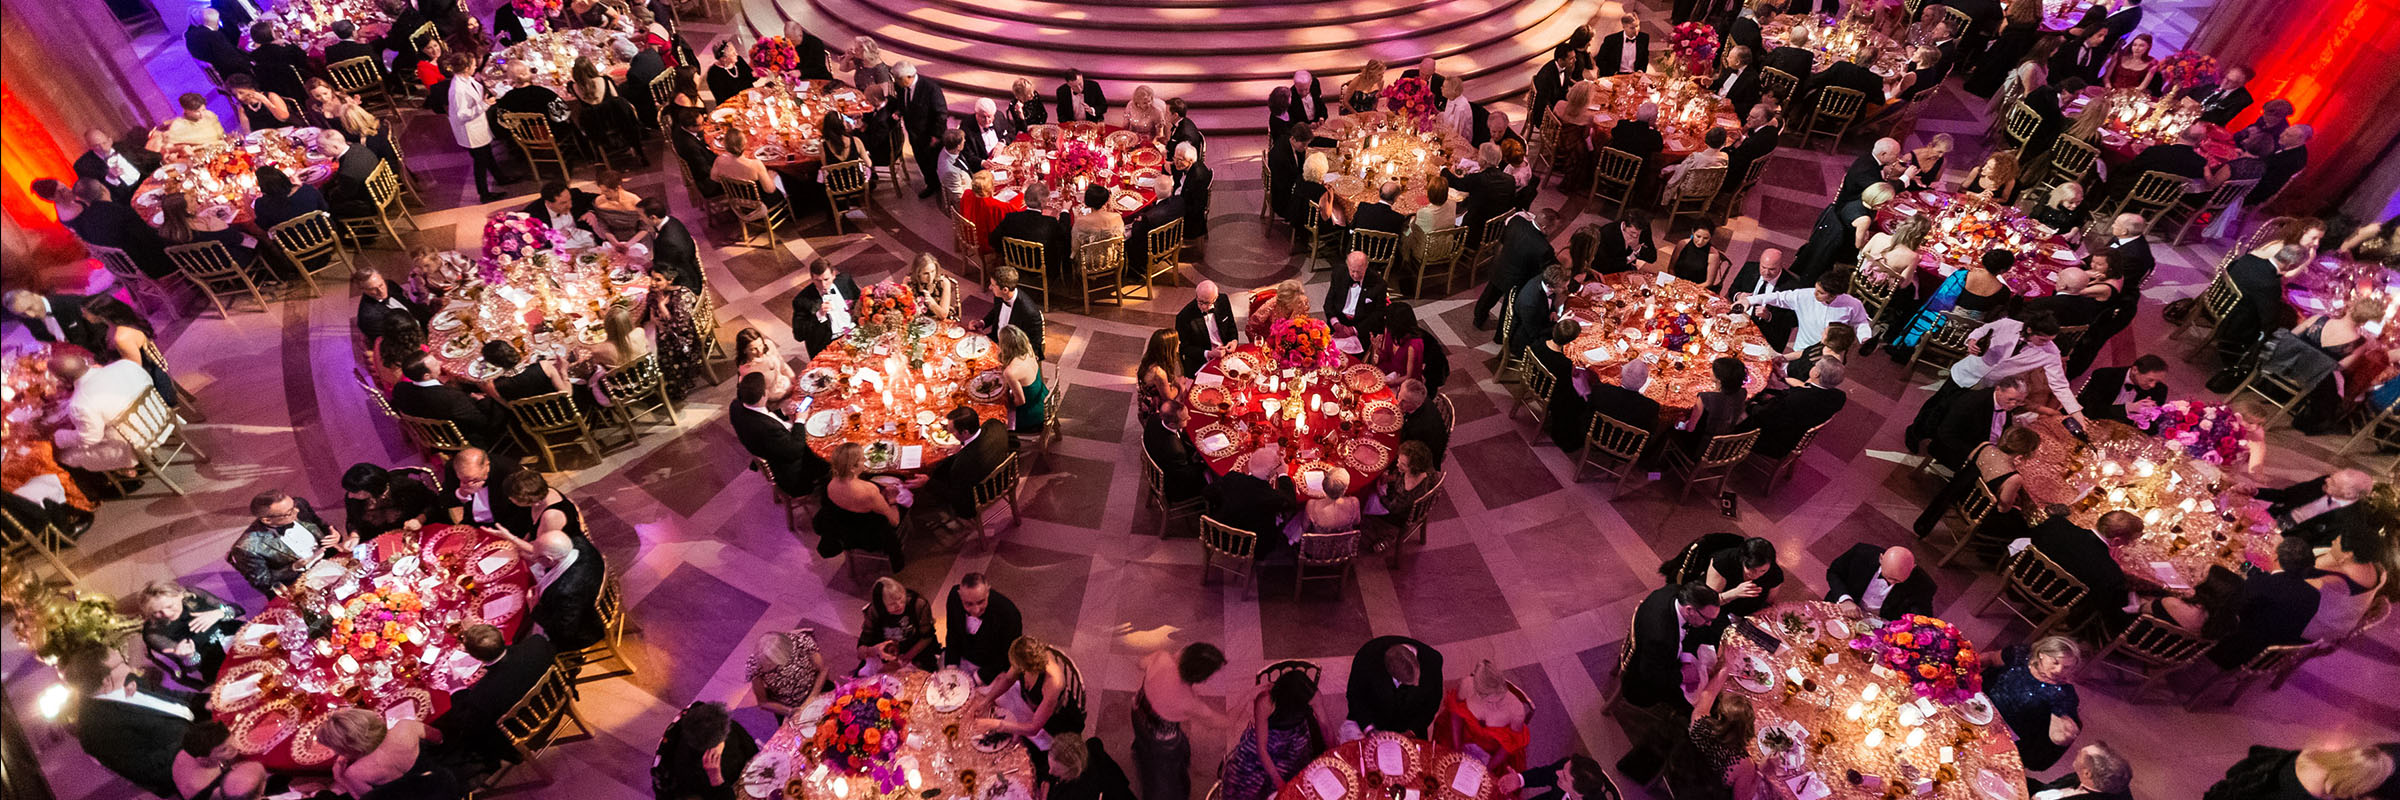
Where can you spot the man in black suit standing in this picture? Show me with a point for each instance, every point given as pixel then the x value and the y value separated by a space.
pixel 1651 674
pixel 131 725
pixel 382 314
pixel 55 318
pixel 2112 392
pixel 982 624
pixel 2321 509
pixel 1395 685
pixel 567 573
pixel 1355 298
pixel 102 162
pixel 1763 276
pixel 780 442
pixel 1524 252
pixel 1490 194
pixel 982 445
pixel 1536 308
pixel 1182 473
pixel 2220 102
pixel 1883 582
pixel 1169 207
pixel 917 101
pixel 482 420
pixel 1011 306
pixel 1031 225
pixel 1781 418
pixel 2089 556
pixel 821 310
pixel 1977 416
pixel 1378 214
pixel 986 134
pixel 1192 179
pixel 509 673
pixel 1080 98
pixel 672 245
pixel 1868 169
pixel 1627 50
pixel 1205 324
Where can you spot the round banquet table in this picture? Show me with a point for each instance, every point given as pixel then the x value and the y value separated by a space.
pixel 1126 162
pixel 1348 417
pixel 940 747
pixel 2329 285
pixel 309 23
pixel 552 56
pixel 1967 226
pixel 1835 40
pixel 34 398
pixel 1815 643
pixel 2136 121
pixel 220 179
pixel 1627 315
pixel 865 392
pixel 2179 542
pixel 1686 110
pixel 1382 761
pixel 547 306
pixel 1372 146
pixel 280 679
pixel 782 122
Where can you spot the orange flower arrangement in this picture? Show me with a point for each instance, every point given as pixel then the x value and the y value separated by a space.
pixel 861 730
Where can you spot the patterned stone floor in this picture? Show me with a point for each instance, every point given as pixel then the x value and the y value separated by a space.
pixel 1524 566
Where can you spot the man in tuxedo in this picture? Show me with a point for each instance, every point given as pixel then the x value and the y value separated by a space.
pixel 1627 50
pixel 1192 178
pixel 130 724
pixel 1550 83
pixel 482 420
pixel 213 44
pixel 102 162
pixel 1421 421
pixel 2220 102
pixel 671 245
pixel 509 673
pixel 982 624
pixel 1080 98
pixel 1536 308
pixel 468 496
pixel 1308 98
pixel 1640 136
pixel 1434 81
pixel 382 314
pixel 1793 58
pixel 986 134
pixel 1255 500
pixel 346 47
pixel 1738 81
pixel 1883 582
pixel 1848 74
pixel 2262 307
pixel 1659 644
pixel 1181 130
pixel 2123 17
pixel 1867 170
pixel 1490 193
pixel 923 113
pixel 2174 158
pixel 1204 324
pixel 1378 214
pixel 2089 556
pixel 821 310
pixel 346 193
pixel 780 442
pixel 1761 135
pixel 1763 276
pixel 1623 400
pixel 56 318
pixel 1355 298
pixel 1524 252
pixel 1011 306
pixel 2100 774
pixel 2112 392
pixel 2274 608
pixel 1183 475
pixel 2083 59
pixel 647 65
pixel 982 445
pixel 2321 509
pixel 1031 225
pixel 560 207
pixel 567 574
pixel 2289 158
pixel 1167 208
pixel 1625 246
pixel 1977 416
pixel 1781 418
pixel 1395 685
pixel 2066 303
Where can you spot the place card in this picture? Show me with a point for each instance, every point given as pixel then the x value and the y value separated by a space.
pixel 405 709
pixel 1469 779
pixel 1328 786
pixel 912 456
pixel 1389 759
pixel 1596 354
pixel 240 690
pixel 502 606
pixel 1215 443
pixel 1006 195
pixel 492 563
pixel 1880 671
pixel 1208 379
pixel 1315 481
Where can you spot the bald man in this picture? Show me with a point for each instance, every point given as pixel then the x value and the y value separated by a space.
pixel 2322 509
pixel 469 486
pixel 1872 167
pixel 1204 325
pixel 1878 581
pixel 566 576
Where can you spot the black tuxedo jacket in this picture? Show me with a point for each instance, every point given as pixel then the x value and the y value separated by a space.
pixel 2070 309
pixel 569 611
pixel 1192 337
pixel 579 203
pixel 2079 61
pixel 91 165
pixel 987 646
pixel 1624 405
pixel 1034 226
pixel 975 153
pixel 1524 252
pixel 1616 256
pixel 378 320
pixel 1611 54
pixel 1782 418
pixel 1017 115
pixel 1745 32
pixel 1844 74
pixel 812 57
pixel 2322 529
pixel 474 716
pixel 1095 101
pixel 922 110
pixel 1425 425
pixel 1376 703
pixel 1756 145
pixel 346 49
pixel 2122 21
pixel 2275 608
pixel 1549 84
pixel 1244 502
pixel 1377 216
pixel 455 510
pixel 1797 62
pixel 673 246
pixel 1026 314
pixel 1967 423
pixel 2282 501
pixel 798 469
pixel 1653 668
pixel 2082 554
pixel 1864 171
pixel 1183 472
pixel 115 224
pixel 217 49
pixel 1533 307
pixel 1371 299
pixel 953 480
pixel 806 327
pixel 281 68
pixel 2099 393
pixel 1192 185
pixel 1490 193
pixel 646 66
pixel 2176 158
pixel 135 742
pixel 1637 138
pixel 2281 166
pixel 2218 110
pixel 1745 90
pixel 67 309
pixel 483 420
pixel 1309 106
pixel 1849 575
pixel 1746 280
pixel 2134 261
pixel 1187 131
pixel 1433 84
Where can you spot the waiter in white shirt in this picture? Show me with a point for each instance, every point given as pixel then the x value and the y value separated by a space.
pixel 1829 302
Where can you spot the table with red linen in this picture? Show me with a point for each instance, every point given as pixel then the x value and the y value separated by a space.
pixel 783 121
pixel 2328 286
pixel 1382 762
pixel 32 395
pixel 1126 162
pixel 1686 110
pixel 2136 121
pixel 552 57
pixel 1322 418
pixel 865 392
pixel 1837 39
pixel 940 747
pixel 1966 226
pixel 1373 146
pixel 220 178
pixel 1628 315
pixel 309 23
pixel 546 306
pixel 390 612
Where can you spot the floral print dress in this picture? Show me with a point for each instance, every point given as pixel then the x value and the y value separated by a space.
pixel 672 313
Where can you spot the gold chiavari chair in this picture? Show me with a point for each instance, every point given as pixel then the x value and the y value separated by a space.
pixel 2018 124
pixel 2216 301
pixel 314 244
pixel 211 267
pixel 2186 216
pixel 2069 161
pixel 792 506
pixel 1699 192
pixel 1313 233
pixel 1154 488
pixel 845 188
pixel 1232 546
pixel 1946 343
pixel 636 388
pixel 1487 248
pixel 439 438
pixel 2152 194
pixel 1874 290
pixel 1533 394
pixel 1715 462
pixel 1381 248
pixel 2149 649
pixel 1420 517
pixel 1031 260
pixel 187 405
pixel 1439 253
pixel 363 77
pixel 1163 259
pixel 750 206
pixel 998 487
pixel 1749 180
pixel 1780 467
pixel 1614 174
pixel 20 536
pixel 2276 662
pixel 1331 553
pixel 384 190
pixel 533 725
pixel 610 608
pixel 1611 446
pixel 2037 590
pixel 1099 269
pixel 662 97
pixel 546 421
pixel 537 142
pixel 1779 83
pixel 156 436
pixel 408 179
pixel 967 241
pixel 1837 107
pixel 149 296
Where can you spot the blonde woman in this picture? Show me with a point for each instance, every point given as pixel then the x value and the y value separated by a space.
pixel 1924 164
pixel 341 111
pixel 1481 717
pixel 2062 211
pixel 1310 191
pixel 865 63
pixel 937 294
pixel 1026 392
pixel 1365 91
pixel 786 669
pixel 1145 114
pixel 1288 302
pixel 2270 773
pixel 2031 688
pixel 1893 254
pixel 626 340
pixel 1041 678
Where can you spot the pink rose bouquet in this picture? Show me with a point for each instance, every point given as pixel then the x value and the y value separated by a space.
pixel 2210 432
pixel 774 54
pixel 2185 69
pixel 537 13
pixel 517 234
pixel 1696 44
pixel 1410 99
pixel 1302 343
pixel 1938 660
pixel 1078 158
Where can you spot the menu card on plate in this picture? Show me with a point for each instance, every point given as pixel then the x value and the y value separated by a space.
pixel 1596 354
pixel 1328 786
pixel 502 606
pixel 912 456
pixel 1208 379
pixel 251 634
pixel 1215 443
pixel 1388 757
pixel 492 563
pixel 2166 574
pixel 1315 481
pixel 240 690
pixel 405 709
pixel 1469 778
pixel 1006 195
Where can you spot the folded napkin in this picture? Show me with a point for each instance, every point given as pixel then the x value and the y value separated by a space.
pixel 1755 350
pixel 1389 759
pixel 1208 379
pixel 240 690
pixel 1316 485
pixel 405 709
pixel 1807 786
pixel 912 456
pixel 1328 786
pixel 2166 574
pixel 252 634
pixel 1006 196
pixel 502 606
pixel 1349 344
pixel 1215 443
pixel 492 563
pixel 1595 354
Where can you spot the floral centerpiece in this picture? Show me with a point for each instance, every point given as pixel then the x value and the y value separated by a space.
pixel 1302 343
pixel 374 624
pixel 2186 69
pixel 1695 46
pixel 2208 432
pixel 1410 99
pixel 774 54
pixel 861 730
pixel 537 13
pixel 1680 330
pixel 882 308
pixel 1938 660
pixel 517 234
pixel 1077 159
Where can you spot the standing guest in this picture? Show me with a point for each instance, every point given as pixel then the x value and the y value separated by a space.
pixel 1049 686
pixel 2100 774
pixel 469 110
pixel 1996 351
pixel 858 514
pixel 1976 417
pixel 1536 306
pixel 128 723
pixel 1525 254
pixel 208 767
pixel 1483 717
pixel 821 310
pixel 1013 308
pixel 377 502
pixel 2030 688
pixel 2259 281
pixel 1028 396
pixel 702 755
pixel 1080 99
pixel 1168 698
pixel 1284 735
pixel 567 574
pixel 982 623
pixel 185 630
pixel 510 671
pixel 1816 309
pixel 1884 583
pixel 282 541
pixel 1781 418
pixel 1395 685
pixel 787 670
pixel 917 103
pixel 481 420
pixel 1204 326
pixel 88 439
pixel 1877 165
pixel 2090 556
pixel 1653 671
pixel 2112 393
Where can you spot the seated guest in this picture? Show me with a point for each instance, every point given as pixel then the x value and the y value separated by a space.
pixel 510 671
pixel 1793 58
pixel 2348 576
pixel 1742 571
pixel 982 206
pixel 128 723
pixel 702 754
pixel 2031 689
pixel 2171 157
pixel 857 513
pixel 982 445
pixel 518 380
pixel 1355 299
pixel 2322 508
pixel 2113 392
pixel 377 502
pixel 1719 409
pixel 737 164
pixel 482 420
pixel 208 767
pixel 1977 416
pixel 280 199
pixel 1329 508
pixel 383 314
pixel 2100 774
pixel 2273 608
pixel 195 126
pixel 1395 685
pixel 982 624
pixel 821 309
pixel 1627 50
pixel 1422 422
pixel 1203 326
pixel 787 670
pixel 2270 773
pixel 1828 302
pixel 1483 717
pixel 1025 108
pixel 284 539
pixel 1639 136
pixel 1575 776
pixel 1781 418
pixel 2062 210
pixel 1378 214
pixel 58 318
pixel 1042 675
pixel 1884 583
pixel 2259 281
pixel 1081 770
pixel 185 630
pixel 1536 307
pixel 103 163
pixel 1080 98
pixel 112 223
pixel 1667 629
pixel 2090 556
pixel 1183 474
pixel 1169 207
pixel 564 209
pixel 367 752
pixel 180 225
pixel 1028 223
pixel 985 134
pixel 567 573
pixel 347 193
pixel 898 630
pixel 1625 401
pixel 1407 486
pixel 88 440
pixel 1284 735
pixel 469 495
pixel 1255 500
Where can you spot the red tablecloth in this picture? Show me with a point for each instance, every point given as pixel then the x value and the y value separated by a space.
pixel 1967 226
pixel 1230 406
pixel 459 572
pixel 1130 160
pixel 961 368
pixel 1373 766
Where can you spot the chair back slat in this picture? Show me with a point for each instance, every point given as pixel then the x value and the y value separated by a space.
pixel 2041 582
pixel 1726 449
pixel 1778 83
pixel 547 413
pixel 1270 673
pixel 1442 247
pixel 529 128
pixel 632 380
pixel 147 424
pixel 434 434
pixel 1000 483
pixel 1328 549
pixel 361 74
pixel 1617 438
pixel 306 236
pixel 1166 246
pixel 2159 643
pixel 2155 188
pixel 208 261
pixel 846 180
pixel 1226 540
pixel 533 721
pixel 1618 166
pixel 1029 257
pixel 1381 248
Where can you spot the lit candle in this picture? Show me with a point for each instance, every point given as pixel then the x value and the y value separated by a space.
pixel 1855 711
pixel 1794 674
pixel 1874 739
pixel 1872 691
pixel 1916 736
pixel 1949 754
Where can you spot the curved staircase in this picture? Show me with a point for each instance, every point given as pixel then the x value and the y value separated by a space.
pixel 1222 56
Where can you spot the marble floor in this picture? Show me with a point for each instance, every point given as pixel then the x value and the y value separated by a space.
pixel 1525 566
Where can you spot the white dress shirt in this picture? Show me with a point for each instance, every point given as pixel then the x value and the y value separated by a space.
pixel 991 141
pixel 50 321
pixel 120 170
pixel 1626 54
pixel 2002 359
pixel 1350 301
pixel 2319 506
pixel 1008 310
pixel 1814 316
pixel 296 538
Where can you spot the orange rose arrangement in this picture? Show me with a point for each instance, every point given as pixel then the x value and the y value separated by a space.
pixel 1938 660
pixel 377 625
pixel 861 730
